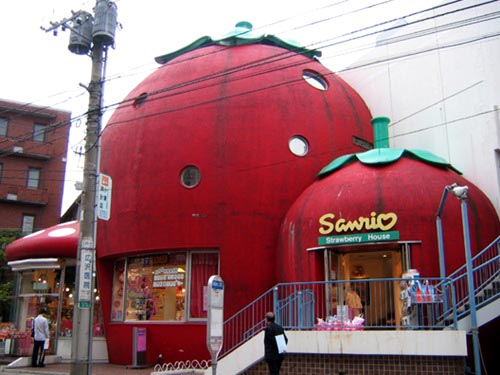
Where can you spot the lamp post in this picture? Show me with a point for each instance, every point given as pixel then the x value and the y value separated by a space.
pixel 461 193
pixel 442 268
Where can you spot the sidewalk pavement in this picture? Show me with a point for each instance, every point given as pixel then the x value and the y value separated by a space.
pixel 64 369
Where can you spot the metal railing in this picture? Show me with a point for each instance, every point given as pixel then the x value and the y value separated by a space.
pixel 383 303
pixel 486 279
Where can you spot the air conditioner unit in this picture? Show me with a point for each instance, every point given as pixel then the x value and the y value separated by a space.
pixel 18 149
pixel 12 197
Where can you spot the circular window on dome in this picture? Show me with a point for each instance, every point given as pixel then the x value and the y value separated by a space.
pixel 140 100
pixel 315 79
pixel 298 145
pixel 190 176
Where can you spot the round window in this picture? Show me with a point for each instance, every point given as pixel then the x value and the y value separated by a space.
pixel 298 145
pixel 190 176
pixel 315 79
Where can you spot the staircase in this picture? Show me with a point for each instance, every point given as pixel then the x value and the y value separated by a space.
pixel 243 333
pixel 486 278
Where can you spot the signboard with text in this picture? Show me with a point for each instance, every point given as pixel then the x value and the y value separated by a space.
pixel 85 287
pixel 358 238
pixel 341 231
pixel 104 197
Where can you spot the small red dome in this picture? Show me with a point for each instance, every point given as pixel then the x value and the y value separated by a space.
pixel 409 188
pixel 59 241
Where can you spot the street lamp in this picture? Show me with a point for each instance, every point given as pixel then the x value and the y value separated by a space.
pixel 461 193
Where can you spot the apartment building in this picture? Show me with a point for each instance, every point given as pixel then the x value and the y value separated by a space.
pixel 33 147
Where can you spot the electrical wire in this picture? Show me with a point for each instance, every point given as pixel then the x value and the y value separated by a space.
pixel 113 105
pixel 400 57
pixel 356 67
pixel 120 75
pixel 284 55
pixel 351 12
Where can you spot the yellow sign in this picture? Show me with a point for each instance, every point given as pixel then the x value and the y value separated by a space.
pixel 382 221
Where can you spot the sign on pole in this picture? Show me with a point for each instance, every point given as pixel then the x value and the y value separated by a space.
pixel 215 318
pixel 104 197
pixel 85 282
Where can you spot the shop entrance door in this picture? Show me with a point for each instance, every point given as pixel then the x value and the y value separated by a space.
pixel 377 300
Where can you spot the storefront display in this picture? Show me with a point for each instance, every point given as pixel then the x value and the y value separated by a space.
pixel 155 287
pixel 52 288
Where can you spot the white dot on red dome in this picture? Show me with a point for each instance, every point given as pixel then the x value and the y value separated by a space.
pixel 61 232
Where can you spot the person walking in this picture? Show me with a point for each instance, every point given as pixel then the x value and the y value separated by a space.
pixel 41 333
pixel 273 354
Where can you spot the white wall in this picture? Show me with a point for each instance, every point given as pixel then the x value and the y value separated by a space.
pixel 419 343
pixel 442 100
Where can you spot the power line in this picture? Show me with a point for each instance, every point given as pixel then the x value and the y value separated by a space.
pixel 357 66
pixel 246 66
pixel 119 75
pixel 289 82
pixel 327 6
pixel 292 161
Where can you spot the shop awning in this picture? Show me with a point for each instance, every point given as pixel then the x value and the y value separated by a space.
pixel 32 264
pixel 59 241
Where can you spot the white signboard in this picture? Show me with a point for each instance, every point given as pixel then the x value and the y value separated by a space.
pixel 104 197
pixel 215 316
pixel 85 287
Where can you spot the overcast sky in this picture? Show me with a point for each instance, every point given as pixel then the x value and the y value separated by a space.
pixel 37 68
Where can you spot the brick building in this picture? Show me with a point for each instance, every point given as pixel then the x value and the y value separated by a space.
pixel 33 146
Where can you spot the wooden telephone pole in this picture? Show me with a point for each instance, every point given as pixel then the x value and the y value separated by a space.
pixel 90 35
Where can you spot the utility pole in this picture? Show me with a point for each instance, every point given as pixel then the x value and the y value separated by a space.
pixel 90 35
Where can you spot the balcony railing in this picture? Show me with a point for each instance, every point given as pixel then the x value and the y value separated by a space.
pixel 26 149
pixel 360 304
pixel 23 195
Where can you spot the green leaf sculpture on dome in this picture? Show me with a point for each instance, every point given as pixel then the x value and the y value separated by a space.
pixel 382 154
pixel 242 34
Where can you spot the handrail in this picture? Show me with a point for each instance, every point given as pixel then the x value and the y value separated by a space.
pixel 475 257
pixel 484 275
pixel 333 305
pixel 379 299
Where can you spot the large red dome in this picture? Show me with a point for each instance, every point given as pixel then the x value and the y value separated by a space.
pixel 228 114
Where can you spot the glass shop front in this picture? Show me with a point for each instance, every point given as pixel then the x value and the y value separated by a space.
pixel 49 284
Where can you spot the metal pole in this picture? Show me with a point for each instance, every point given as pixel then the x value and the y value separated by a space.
pixel 439 228
pixel 470 286
pixel 277 314
pixel 81 357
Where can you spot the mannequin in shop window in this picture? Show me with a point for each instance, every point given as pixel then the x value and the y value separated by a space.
pixel 353 301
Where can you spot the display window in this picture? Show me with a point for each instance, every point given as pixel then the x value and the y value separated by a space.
pixel 162 287
pixel 67 305
pixel 53 289
pixel 38 288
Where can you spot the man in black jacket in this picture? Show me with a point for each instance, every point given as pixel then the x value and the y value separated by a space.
pixel 272 355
